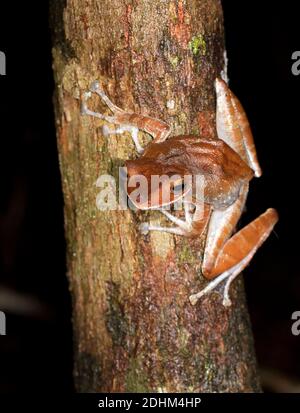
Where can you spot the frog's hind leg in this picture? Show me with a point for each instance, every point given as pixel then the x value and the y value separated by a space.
pixel 233 126
pixel 236 254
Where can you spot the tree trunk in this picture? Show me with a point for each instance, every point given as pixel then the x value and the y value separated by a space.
pixel 134 327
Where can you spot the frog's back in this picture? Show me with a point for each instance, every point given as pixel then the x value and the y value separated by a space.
pixel 223 170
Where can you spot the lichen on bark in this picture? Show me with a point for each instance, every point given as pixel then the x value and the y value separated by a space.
pixel 134 328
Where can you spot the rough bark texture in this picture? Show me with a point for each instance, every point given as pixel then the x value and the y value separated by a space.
pixel 134 328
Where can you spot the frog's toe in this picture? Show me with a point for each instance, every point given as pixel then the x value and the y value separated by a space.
pixel 144 228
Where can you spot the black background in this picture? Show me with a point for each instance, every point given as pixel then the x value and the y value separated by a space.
pixel 36 354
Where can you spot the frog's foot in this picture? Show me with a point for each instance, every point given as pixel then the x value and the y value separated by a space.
pixel 125 128
pixel 229 276
pixel 183 227
pixel 146 227
pixel 118 115
pixel 95 88
pixel 86 111
pixel 237 253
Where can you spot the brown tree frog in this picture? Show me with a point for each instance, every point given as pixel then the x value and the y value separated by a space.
pixel 226 163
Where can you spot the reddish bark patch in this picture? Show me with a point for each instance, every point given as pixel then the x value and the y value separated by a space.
pixel 181 30
pixel 206 121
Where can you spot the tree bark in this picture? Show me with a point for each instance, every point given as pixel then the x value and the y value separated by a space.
pixel 134 327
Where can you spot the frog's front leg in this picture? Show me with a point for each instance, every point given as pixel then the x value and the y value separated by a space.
pixel 127 121
pixel 182 227
pixel 134 132
pixel 193 225
pixel 118 112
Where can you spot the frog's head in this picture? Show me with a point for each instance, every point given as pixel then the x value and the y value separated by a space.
pixel 151 185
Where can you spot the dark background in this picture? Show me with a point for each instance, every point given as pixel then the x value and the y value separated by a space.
pixel 36 353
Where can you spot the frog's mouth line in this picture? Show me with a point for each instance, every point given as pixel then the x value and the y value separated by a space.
pixel 163 191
